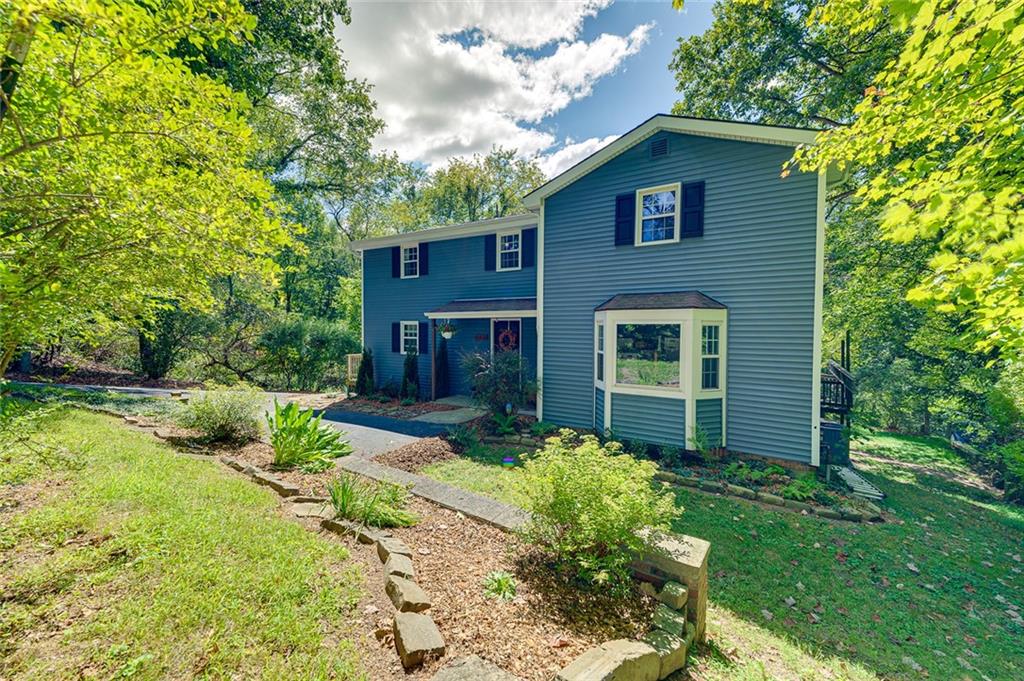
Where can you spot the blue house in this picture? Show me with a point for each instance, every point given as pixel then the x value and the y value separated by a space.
pixel 668 287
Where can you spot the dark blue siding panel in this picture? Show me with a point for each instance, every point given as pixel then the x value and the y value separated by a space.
pixel 456 272
pixel 709 418
pixel 598 410
pixel 757 256
pixel 659 420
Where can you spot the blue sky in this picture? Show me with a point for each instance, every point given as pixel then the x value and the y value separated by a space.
pixel 555 80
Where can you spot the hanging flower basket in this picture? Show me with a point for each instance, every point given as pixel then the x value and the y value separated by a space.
pixel 447 330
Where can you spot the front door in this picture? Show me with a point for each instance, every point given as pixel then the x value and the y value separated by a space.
pixel 505 335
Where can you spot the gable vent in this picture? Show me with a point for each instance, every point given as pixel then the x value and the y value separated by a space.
pixel 659 147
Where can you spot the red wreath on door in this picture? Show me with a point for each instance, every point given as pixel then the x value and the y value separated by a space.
pixel 507 340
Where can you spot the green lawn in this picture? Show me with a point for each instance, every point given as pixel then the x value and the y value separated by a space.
pixel 928 590
pixel 136 562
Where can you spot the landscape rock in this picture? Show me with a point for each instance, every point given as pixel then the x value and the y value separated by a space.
pixel 671 651
pixel 829 513
pixel 711 486
pixel 406 594
pixel 389 545
pixel 684 559
pixel 738 491
pixel 674 595
pixel 771 499
pixel 163 434
pixel 620 660
pixel 798 506
pixel 416 637
pixel 669 620
pixel 472 668
pixel 365 535
pixel 851 514
pixel 308 500
pixel 400 565
pixel 285 489
pixel 313 510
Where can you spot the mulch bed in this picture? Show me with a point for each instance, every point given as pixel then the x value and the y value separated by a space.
pixel 392 408
pixel 547 624
pixel 416 455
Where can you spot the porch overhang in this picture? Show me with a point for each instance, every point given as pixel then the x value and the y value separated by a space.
pixel 485 308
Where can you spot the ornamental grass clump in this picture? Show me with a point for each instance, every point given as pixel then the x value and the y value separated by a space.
pixel 591 505
pixel 377 504
pixel 300 441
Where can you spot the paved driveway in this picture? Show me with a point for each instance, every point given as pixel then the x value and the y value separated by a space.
pixel 371 434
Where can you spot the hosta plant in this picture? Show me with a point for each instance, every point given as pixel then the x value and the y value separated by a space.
pixel 300 441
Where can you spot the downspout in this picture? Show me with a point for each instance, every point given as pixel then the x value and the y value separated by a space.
pixel 433 360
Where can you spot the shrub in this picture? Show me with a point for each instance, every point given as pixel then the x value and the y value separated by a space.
pixel 542 429
pixel 499 383
pixel 802 488
pixel 300 441
pixel 225 414
pixel 305 353
pixel 504 424
pixel 589 504
pixel 501 585
pixel 1012 455
pixel 380 504
pixel 411 377
pixel 364 377
pixel 462 437
pixel 670 457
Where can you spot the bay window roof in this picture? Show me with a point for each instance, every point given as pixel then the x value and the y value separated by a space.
pixel 676 300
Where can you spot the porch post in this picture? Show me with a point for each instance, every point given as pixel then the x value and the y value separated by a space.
pixel 433 360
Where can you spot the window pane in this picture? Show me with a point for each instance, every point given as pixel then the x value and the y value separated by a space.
pixel 647 354
pixel 709 373
pixel 709 335
pixel 410 338
pixel 658 229
pixel 509 260
pixel 410 261
pixel 659 203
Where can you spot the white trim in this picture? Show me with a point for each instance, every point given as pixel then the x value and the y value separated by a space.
pixel 747 132
pixel 401 336
pixel 519 251
pixel 457 231
pixel 540 315
pixel 483 314
pixel 639 218
pixel 362 301
pixel 819 277
pixel 401 260
pixel 603 351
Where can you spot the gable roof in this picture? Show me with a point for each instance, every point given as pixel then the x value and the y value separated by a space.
pixel 746 132
pixel 455 231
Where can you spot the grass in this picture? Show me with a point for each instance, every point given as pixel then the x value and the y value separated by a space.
pixel 129 405
pixel 480 469
pixel 142 563
pixel 916 449
pixel 928 590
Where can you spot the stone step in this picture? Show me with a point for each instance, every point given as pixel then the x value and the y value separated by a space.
pixel 472 668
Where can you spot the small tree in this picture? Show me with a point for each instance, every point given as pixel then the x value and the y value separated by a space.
pixel 411 377
pixel 365 383
pixel 499 381
pixel 441 387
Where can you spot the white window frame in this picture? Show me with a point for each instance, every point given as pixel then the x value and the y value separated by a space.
pixel 410 247
pixel 600 353
pixel 638 227
pixel 518 233
pixel 636 317
pixel 404 337
pixel 706 355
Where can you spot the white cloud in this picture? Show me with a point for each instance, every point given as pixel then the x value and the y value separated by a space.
pixel 572 153
pixel 440 98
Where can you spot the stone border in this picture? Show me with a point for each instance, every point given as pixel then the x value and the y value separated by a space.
pixel 731 490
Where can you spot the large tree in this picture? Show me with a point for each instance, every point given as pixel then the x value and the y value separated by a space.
pixel 125 177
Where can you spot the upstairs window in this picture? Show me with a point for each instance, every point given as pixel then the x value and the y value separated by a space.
pixel 509 251
pixel 410 262
pixel 657 215
pixel 709 357
pixel 600 353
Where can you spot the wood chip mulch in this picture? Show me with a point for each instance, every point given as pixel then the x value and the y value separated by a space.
pixel 547 625
pixel 393 408
pixel 416 455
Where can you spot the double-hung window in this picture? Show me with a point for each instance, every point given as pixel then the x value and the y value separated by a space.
pixel 509 251
pixel 410 337
pixel 657 220
pixel 710 357
pixel 410 261
pixel 599 353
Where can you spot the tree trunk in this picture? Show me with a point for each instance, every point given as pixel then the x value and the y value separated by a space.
pixel 6 356
pixel 14 56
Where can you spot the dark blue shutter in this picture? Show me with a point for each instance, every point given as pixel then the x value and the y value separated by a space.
pixel 530 247
pixel 693 210
pixel 396 337
pixel 396 262
pixel 424 259
pixel 490 247
pixel 424 338
pixel 625 219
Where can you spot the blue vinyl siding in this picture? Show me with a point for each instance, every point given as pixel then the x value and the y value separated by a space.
pixel 456 272
pixel 709 418
pixel 598 410
pixel 757 256
pixel 659 420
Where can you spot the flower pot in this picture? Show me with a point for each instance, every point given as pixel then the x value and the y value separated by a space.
pixel 447 335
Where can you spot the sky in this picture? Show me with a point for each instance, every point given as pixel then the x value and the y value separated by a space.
pixel 555 80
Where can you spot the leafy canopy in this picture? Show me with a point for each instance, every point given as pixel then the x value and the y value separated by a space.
pixel 124 175
pixel 954 99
